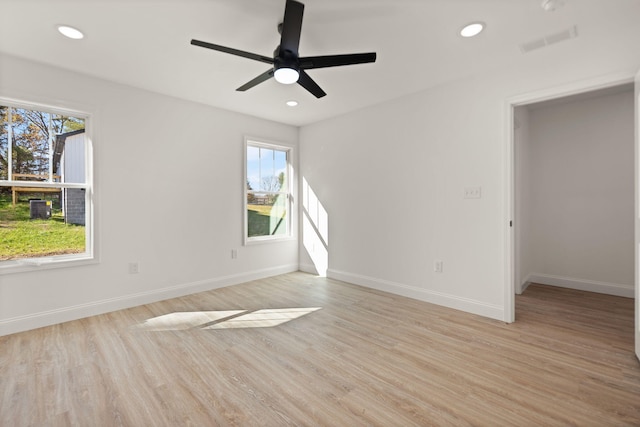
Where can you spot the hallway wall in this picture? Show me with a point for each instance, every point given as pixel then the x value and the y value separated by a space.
pixel 576 193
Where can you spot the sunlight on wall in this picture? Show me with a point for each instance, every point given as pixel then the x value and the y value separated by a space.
pixel 231 319
pixel 315 229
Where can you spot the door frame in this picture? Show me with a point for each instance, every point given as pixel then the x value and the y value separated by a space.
pixel 562 91
pixel 636 119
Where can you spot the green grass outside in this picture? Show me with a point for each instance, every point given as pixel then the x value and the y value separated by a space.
pixel 259 221
pixel 21 237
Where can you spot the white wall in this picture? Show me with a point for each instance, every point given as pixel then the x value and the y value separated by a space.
pixel 169 188
pixel 391 178
pixel 522 195
pixel 581 202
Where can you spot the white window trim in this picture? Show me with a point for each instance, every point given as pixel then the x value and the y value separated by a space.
pixel 89 256
pixel 261 142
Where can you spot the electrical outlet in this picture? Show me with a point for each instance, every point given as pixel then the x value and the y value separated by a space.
pixel 437 266
pixel 134 267
pixel 234 253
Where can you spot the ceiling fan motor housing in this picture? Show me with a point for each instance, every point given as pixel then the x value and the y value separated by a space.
pixel 285 59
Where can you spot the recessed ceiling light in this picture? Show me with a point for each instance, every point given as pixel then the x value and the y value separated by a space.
pixel 292 103
pixel 72 33
pixel 472 29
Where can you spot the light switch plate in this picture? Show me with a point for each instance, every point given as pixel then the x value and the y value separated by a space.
pixel 473 192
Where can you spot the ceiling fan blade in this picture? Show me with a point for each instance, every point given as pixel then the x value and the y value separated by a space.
pixel 307 82
pixel 291 27
pixel 311 62
pixel 261 78
pixel 236 52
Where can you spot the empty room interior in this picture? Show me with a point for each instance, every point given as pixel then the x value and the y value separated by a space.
pixel 408 213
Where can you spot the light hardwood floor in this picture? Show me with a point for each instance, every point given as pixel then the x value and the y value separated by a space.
pixel 341 355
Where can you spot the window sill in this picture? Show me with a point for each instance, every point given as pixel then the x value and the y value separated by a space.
pixel 262 240
pixel 45 263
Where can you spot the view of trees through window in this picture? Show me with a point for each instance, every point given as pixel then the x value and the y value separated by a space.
pixel 42 184
pixel 267 191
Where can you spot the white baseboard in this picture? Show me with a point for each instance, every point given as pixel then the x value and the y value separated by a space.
pixel 447 300
pixel 65 314
pixel 523 286
pixel 583 285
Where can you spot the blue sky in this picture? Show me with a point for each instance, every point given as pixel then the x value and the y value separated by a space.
pixel 264 163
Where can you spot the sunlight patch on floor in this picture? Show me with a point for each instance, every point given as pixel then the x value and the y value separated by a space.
pixel 185 320
pixel 229 319
pixel 264 318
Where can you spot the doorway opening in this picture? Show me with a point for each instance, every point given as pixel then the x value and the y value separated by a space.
pixel 572 190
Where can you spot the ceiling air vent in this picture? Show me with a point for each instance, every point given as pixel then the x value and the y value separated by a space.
pixel 550 39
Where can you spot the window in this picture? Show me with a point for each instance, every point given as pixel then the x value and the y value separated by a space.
pixel 45 192
pixel 268 194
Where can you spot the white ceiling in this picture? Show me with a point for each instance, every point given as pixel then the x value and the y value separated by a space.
pixel 145 43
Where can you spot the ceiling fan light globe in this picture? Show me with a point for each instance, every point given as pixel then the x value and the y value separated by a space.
pixel 286 76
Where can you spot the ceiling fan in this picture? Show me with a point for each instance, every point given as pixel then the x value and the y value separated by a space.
pixel 288 66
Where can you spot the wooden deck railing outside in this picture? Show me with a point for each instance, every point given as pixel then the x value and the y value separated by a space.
pixel 21 176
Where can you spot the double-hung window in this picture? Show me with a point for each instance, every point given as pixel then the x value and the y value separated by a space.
pixel 45 190
pixel 267 191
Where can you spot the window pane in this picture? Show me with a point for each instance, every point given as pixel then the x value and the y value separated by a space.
pixel 41 228
pixel 280 164
pixel 253 168
pixel 44 147
pixel 37 220
pixel 266 214
pixel 4 137
pixel 267 181
pixel 273 169
pixel 267 191
pixel 30 145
